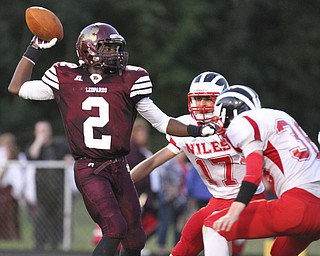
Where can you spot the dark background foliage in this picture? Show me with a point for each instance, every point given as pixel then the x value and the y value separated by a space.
pixel 272 46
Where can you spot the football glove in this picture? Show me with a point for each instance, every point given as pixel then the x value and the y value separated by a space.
pixel 35 48
pixel 211 128
pixel 201 130
pixel 38 43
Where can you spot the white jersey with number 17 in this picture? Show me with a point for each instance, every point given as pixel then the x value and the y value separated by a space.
pixel 219 166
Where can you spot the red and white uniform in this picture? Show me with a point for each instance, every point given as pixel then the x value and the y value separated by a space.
pixel 292 162
pixel 221 170
pixel 290 157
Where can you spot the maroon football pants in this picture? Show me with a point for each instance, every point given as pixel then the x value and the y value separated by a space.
pixel 111 200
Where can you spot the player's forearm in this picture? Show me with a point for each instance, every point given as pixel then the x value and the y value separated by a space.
pixel 145 167
pixel 140 171
pixel 236 209
pixel 22 74
pixel 176 128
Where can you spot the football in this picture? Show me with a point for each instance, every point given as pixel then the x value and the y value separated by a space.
pixel 43 23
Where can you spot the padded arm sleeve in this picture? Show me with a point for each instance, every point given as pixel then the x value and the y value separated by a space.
pixel 36 90
pixel 148 110
pixel 254 168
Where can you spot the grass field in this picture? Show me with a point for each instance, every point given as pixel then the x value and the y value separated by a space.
pixel 82 235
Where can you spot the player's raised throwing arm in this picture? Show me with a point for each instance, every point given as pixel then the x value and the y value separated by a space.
pixel 25 66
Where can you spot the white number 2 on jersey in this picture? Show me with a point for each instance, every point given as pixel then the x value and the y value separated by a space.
pixel 105 141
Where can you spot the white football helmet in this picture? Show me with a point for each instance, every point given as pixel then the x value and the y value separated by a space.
pixel 206 84
pixel 235 100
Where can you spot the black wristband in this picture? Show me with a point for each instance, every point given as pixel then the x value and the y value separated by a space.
pixel 246 192
pixel 32 54
pixel 194 130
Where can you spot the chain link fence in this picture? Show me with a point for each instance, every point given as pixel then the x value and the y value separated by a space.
pixel 41 209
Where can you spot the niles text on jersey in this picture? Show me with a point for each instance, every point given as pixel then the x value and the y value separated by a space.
pixel 204 148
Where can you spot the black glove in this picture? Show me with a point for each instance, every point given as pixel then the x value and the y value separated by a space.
pixel 201 130
pixel 213 127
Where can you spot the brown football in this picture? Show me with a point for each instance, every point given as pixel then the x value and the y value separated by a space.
pixel 43 23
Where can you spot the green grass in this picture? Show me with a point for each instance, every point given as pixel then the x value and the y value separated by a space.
pixel 82 234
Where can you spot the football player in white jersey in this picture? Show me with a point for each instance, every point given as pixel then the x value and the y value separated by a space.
pixel 275 145
pixel 218 165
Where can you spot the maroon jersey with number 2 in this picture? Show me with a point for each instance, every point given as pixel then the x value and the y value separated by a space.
pixel 98 114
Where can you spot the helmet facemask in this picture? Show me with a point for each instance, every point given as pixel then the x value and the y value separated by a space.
pixel 205 86
pixel 201 113
pixel 112 61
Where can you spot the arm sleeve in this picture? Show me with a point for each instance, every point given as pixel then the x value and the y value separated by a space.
pixel 36 90
pixel 149 111
pixel 254 165
pixel 254 168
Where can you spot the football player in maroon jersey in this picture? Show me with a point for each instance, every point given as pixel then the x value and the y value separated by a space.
pixel 99 100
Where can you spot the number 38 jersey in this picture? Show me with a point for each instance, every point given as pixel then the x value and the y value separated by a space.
pixel 98 112
pixel 219 166
pixel 291 159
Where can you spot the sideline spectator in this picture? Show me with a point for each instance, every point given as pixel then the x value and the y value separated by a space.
pixel 139 151
pixel 198 193
pixel 48 228
pixel 11 183
pixel 172 199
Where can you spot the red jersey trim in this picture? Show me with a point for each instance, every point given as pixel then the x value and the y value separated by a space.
pixel 256 131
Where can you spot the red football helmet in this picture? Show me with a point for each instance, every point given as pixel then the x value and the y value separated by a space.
pixel 91 43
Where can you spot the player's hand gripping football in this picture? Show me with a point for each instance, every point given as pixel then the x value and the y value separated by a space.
pixel 38 43
pixel 35 48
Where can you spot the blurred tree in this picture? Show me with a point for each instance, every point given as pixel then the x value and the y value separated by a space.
pixel 269 45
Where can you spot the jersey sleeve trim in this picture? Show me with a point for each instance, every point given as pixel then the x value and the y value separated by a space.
pixel 173 148
pixel 255 127
pixel 50 78
pixel 142 86
pixel 173 145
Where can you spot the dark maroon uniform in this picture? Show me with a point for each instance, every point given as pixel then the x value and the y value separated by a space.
pixel 98 114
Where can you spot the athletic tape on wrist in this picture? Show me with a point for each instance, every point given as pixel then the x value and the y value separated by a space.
pixel 32 54
pixel 246 192
pixel 194 130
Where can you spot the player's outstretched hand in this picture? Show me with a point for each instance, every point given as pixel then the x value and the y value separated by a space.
pixel 207 130
pixel 213 127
